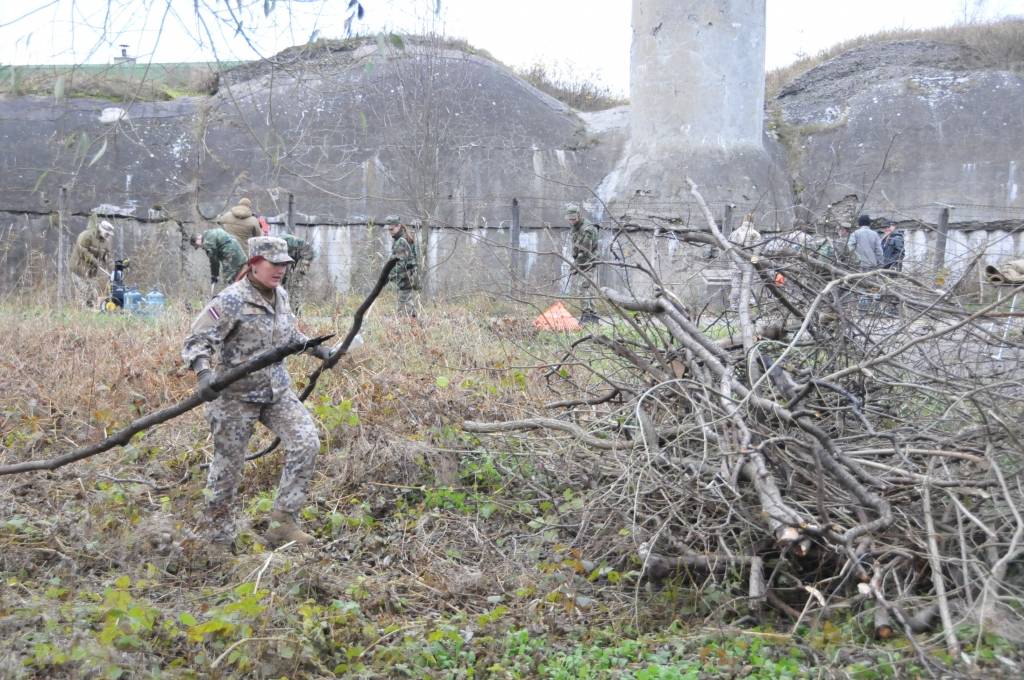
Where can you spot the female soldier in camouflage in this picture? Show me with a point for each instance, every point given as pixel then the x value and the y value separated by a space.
pixel 404 274
pixel 244 319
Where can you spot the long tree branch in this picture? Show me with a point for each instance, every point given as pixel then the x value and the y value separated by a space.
pixel 340 350
pixel 123 436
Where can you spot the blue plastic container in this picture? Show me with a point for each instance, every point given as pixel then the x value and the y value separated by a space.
pixel 154 302
pixel 132 301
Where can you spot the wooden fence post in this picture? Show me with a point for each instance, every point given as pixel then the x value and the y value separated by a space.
pixel 515 243
pixel 62 248
pixel 940 241
pixel 727 220
pixel 291 213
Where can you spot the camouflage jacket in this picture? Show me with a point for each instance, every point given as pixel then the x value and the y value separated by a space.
pixel 237 325
pixel 298 249
pixel 222 249
pixel 584 245
pixel 404 273
pixel 90 253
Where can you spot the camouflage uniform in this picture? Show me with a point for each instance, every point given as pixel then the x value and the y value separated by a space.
pixel 404 275
pixel 584 238
pixel 223 250
pixel 90 253
pixel 236 325
pixel 241 223
pixel 295 279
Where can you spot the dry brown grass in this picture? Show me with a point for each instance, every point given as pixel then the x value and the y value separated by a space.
pixel 581 93
pixel 996 45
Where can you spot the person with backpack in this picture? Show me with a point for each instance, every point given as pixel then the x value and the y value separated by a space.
pixel 405 275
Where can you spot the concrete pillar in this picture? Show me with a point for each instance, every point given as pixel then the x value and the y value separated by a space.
pixel 697 72
pixel 697 109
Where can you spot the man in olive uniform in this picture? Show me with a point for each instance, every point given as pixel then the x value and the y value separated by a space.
pixel 244 319
pixel 89 258
pixel 241 223
pixel 223 252
pixel 404 275
pixel 295 279
pixel 584 258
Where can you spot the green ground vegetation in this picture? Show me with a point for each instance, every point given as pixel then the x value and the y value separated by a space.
pixel 441 554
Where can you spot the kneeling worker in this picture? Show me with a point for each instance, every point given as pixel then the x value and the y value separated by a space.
pixel 246 318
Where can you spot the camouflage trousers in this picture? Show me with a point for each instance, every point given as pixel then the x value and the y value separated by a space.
pixel 583 290
pixel 88 292
pixel 232 423
pixel 407 302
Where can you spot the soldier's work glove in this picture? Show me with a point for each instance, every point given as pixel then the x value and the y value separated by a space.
pixel 204 378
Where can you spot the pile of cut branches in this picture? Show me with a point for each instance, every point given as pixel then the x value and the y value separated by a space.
pixel 850 442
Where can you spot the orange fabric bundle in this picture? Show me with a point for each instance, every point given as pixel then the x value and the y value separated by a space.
pixel 556 318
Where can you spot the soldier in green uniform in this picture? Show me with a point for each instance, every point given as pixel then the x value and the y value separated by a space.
pixel 88 259
pixel 584 237
pixel 295 279
pixel 223 252
pixel 247 317
pixel 404 275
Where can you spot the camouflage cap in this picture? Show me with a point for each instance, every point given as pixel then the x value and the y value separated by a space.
pixel 392 219
pixel 270 248
pixel 572 209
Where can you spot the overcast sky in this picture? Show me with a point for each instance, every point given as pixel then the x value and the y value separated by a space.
pixel 587 37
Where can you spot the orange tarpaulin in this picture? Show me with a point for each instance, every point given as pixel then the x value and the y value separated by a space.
pixel 556 318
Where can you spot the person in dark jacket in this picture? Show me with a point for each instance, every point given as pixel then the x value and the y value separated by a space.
pixel 893 247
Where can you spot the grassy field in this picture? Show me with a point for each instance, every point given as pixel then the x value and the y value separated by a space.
pixel 440 554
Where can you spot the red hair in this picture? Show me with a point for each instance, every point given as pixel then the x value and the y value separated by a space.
pixel 248 265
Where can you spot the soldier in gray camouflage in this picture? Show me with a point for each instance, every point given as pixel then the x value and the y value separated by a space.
pixel 404 275
pixel 584 238
pixel 244 319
